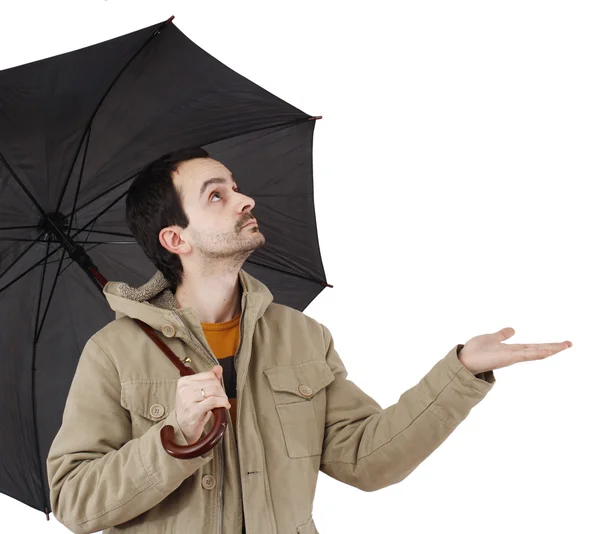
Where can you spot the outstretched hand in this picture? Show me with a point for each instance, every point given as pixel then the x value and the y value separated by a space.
pixel 487 352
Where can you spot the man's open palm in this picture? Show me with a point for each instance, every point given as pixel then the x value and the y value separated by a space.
pixel 487 352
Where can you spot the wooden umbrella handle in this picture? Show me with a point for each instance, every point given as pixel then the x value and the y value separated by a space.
pixel 185 452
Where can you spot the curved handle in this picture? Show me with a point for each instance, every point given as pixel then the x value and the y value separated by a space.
pixel 185 452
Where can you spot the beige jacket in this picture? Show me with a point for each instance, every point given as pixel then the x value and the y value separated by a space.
pixel 297 414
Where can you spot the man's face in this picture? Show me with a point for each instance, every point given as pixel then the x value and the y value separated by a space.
pixel 216 211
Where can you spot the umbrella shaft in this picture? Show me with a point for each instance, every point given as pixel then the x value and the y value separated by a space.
pixel 77 253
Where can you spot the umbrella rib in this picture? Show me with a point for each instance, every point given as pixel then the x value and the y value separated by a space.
pixel 86 242
pixel 73 261
pixel 22 240
pixel 93 221
pixel 17 228
pixel 20 256
pixel 87 145
pixel 88 234
pixel 39 304
pixel 51 294
pixel 33 369
pixel 103 194
pixel 28 270
pixel 119 234
pixel 23 187
pixel 89 124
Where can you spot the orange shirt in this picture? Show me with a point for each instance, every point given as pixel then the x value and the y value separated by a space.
pixel 223 339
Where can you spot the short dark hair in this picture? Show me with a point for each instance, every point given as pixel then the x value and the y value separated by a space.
pixel 153 203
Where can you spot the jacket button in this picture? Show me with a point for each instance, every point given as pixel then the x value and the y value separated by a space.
pixel 208 482
pixel 305 390
pixel 157 410
pixel 168 330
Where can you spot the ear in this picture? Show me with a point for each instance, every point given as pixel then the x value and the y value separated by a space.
pixel 170 238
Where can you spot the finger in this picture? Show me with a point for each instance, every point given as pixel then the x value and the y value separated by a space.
pixel 209 391
pixel 211 403
pixel 217 370
pixel 197 384
pixel 207 375
pixel 543 346
pixel 504 333
pixel 538 351
pixel 194 388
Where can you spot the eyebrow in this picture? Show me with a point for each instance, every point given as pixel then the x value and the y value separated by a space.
pixel 213 181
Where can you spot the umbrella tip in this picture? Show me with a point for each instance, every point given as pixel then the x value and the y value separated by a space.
pixel 170 19
pixel 47 514
pixel 316 118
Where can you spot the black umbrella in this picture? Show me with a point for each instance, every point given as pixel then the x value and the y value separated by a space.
pixel 75 129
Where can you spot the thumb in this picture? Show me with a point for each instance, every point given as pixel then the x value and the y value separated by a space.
pixel 504 333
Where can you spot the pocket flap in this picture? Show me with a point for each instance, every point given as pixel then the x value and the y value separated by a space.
pixel 151 399
pixel 304 380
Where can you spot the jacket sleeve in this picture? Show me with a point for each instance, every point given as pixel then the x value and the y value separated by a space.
pixel 98 475
pixel 371 448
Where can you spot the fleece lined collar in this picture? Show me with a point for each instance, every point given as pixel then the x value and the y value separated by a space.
pixel 154 303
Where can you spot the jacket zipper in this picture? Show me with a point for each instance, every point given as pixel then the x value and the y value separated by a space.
pixel 237 404
pixel 208 352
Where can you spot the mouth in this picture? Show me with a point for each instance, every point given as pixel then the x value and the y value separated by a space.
pixel 253 221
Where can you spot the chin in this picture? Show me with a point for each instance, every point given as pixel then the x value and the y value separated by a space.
pixel 258 238
pixel 258 241
pixel 251 243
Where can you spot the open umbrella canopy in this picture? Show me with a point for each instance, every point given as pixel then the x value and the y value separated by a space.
pixel 75 129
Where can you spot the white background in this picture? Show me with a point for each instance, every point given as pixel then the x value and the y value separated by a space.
pixel 456 179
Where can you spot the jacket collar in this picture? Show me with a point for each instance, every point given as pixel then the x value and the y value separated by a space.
pixel 154 303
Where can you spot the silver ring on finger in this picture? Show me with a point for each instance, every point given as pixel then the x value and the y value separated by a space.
pixel 203 394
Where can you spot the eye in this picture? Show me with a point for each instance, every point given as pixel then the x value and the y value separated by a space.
pixel 218 193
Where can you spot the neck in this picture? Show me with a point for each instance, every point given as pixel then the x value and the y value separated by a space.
pixel 214 295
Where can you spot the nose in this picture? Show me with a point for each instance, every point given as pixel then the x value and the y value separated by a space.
pixel 247 203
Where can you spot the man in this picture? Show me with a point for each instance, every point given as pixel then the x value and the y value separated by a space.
pixel 291 409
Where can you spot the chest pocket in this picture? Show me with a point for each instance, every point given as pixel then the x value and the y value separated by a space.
pixel 148 401
pixel 300 400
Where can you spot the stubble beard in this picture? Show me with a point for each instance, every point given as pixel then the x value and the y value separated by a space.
pixel 231 249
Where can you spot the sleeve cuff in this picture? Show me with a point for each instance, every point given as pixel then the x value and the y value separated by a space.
pixel 450 390
pixel 486 376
